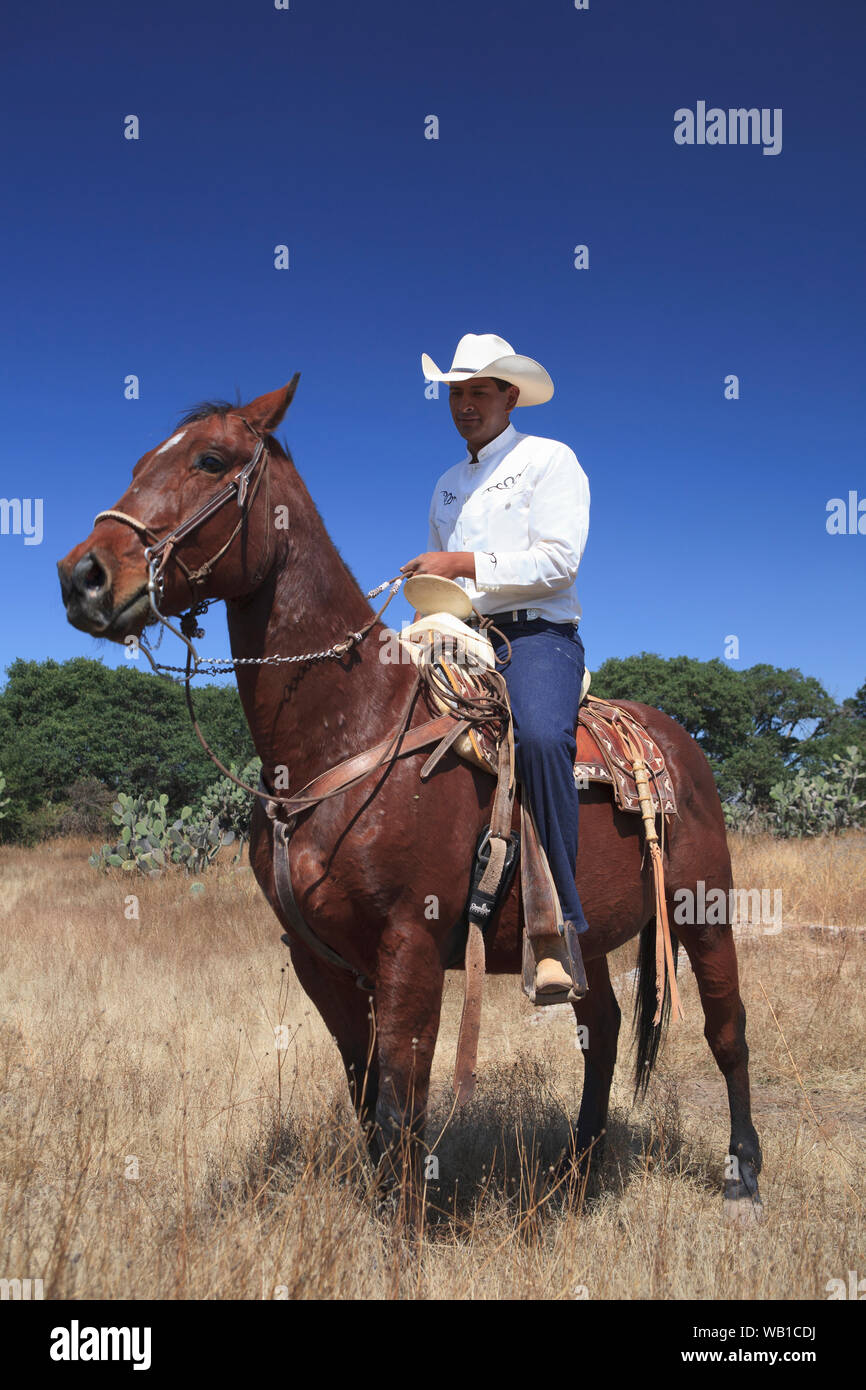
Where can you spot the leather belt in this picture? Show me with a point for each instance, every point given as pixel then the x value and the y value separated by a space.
pixel 516 615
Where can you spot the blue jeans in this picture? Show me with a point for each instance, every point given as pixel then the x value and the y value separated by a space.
pixel 544 678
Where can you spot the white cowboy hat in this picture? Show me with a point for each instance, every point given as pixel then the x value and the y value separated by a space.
pixel 483 354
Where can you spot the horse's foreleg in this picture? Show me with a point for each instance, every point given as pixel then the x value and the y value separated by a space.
pixel 408 998
pixel 348 1015
pixel 714 960
pixel 598 1019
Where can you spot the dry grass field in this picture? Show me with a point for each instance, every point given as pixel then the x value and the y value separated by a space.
pixel 156 1145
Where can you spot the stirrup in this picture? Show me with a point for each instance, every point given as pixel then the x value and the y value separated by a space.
pixel 571 986
pixel 579 986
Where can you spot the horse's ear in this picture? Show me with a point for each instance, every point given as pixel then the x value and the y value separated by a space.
pixel 266 412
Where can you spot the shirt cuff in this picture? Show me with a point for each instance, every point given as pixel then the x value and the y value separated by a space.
pixel 486 563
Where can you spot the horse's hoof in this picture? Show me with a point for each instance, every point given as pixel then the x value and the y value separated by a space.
pixel 744 1212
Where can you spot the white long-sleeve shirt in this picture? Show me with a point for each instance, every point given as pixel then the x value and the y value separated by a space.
pixel 523 509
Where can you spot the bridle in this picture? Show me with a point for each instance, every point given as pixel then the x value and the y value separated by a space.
pixel 159 551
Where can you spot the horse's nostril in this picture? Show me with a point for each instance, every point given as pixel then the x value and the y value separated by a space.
pixel 90 577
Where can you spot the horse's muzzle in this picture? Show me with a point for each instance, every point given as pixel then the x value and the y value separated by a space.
pixel 89 600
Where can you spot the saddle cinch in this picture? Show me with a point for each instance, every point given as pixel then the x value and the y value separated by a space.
pixel 458 665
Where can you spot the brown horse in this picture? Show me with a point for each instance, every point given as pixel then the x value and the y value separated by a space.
pixel 365 864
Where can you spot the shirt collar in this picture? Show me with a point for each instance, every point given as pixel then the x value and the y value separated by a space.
pixel 499 445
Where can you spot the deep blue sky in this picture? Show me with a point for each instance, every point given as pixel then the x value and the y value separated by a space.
pixel 306 127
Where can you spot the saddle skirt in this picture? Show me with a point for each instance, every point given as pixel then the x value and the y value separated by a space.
pixel 602 755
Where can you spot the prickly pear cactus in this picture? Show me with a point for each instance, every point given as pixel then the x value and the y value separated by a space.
pixel 817 804
pixel 198 845
pixel 230 804
pixel 147 842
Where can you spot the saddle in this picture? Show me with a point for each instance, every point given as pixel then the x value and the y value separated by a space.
pixel 605 736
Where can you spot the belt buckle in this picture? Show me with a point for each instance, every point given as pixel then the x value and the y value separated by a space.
pixel 532 614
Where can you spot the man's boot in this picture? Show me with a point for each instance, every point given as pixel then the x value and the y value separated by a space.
pixel 551 976
pixel 559 973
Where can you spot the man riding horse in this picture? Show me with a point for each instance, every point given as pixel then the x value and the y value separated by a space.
pixel 342 863
pixel 509 522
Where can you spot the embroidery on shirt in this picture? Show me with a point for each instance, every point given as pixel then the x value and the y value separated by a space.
pixel 492 557
pixel 505 483
pixel 448 497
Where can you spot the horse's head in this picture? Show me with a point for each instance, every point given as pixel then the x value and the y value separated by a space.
pixel 199 507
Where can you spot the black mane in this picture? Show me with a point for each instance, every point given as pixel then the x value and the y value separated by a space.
pixel 205 409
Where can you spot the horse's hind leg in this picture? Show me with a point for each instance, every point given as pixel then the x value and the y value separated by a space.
pixel 714 960
pixel 598 1019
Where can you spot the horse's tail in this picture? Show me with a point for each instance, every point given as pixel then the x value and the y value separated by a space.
pixel 648 1037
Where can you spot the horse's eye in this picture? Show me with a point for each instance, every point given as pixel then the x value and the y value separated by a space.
pixel 211 463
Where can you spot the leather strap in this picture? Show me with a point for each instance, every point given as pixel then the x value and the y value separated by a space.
pixel 465 1065
pixel 503 800
pixel 541 910
pixel 340 778
pixel 515 615
pixel 474 962
pixel 460 727
pixel 288 903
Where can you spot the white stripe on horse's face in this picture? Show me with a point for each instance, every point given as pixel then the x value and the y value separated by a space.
pixel 175 439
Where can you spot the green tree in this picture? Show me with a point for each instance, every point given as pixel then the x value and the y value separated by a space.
pixel 64 722
pixel 857 704
pixel 843 728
